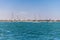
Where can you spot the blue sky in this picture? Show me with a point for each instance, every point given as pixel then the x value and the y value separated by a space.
pixel 30 9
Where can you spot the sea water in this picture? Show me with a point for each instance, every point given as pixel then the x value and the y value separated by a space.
pixel 29 30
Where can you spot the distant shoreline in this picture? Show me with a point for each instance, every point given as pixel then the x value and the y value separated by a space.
pixel 29 20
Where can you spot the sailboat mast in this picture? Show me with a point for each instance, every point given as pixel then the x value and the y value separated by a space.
pixel 12 17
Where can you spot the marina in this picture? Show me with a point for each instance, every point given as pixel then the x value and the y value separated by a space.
pixel 29 19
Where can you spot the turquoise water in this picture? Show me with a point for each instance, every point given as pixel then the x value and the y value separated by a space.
pixel 29 30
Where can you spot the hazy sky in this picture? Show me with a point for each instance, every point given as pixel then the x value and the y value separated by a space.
pixel 30 9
